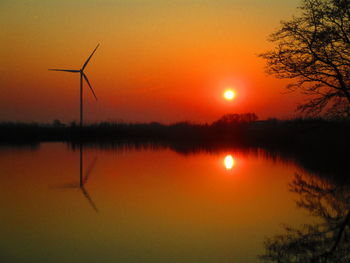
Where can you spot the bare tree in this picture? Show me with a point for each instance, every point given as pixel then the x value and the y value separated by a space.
pixel 313 50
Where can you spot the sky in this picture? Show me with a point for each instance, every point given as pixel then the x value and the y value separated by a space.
pixel 158 60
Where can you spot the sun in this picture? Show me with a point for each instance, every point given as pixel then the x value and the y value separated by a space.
pixel 229 94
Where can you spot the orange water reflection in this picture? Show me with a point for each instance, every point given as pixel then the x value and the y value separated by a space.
pixel 154 206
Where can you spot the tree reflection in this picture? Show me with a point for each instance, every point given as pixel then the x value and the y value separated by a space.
pixel 328 240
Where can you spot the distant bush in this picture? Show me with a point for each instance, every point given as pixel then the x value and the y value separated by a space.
pixel 57 123
pixel 236 119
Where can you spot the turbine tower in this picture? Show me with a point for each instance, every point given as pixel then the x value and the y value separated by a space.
pixel 82 76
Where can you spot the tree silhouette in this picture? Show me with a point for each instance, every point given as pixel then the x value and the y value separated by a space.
pixel 326 241
pixel 235 118
pixel 313 49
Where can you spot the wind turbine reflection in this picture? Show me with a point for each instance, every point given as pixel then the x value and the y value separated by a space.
pixel 83 179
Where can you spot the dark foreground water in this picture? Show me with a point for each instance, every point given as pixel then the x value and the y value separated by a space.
pixel 151 204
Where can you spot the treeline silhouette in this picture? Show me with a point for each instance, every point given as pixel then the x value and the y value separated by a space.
pixel 318 146
pixel 236 129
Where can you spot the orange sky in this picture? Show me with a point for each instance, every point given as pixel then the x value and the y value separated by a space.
pixel 159 60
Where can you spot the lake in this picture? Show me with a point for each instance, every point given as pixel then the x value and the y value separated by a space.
pixel 143 203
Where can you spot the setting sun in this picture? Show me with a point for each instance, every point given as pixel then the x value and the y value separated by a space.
pixel 229 94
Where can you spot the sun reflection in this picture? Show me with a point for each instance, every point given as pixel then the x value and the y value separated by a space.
pixel 229 162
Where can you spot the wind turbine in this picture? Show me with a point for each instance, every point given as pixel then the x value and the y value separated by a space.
pixel 82 76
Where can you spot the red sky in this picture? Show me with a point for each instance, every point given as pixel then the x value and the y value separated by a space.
pixel 159 60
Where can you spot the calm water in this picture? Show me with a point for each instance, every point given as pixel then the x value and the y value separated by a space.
pixel 142 205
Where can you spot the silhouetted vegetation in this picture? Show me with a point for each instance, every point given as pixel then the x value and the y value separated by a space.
pixel 312 49
pixel 318 145
pixel 233 119
pixel 234 129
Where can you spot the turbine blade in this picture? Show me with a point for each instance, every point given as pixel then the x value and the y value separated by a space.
pixel 88 197
pixel 85 77
pixel 65 70
pixel 88 172
pixel 87 61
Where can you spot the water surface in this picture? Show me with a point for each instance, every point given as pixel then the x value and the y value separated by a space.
pixel 143 204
